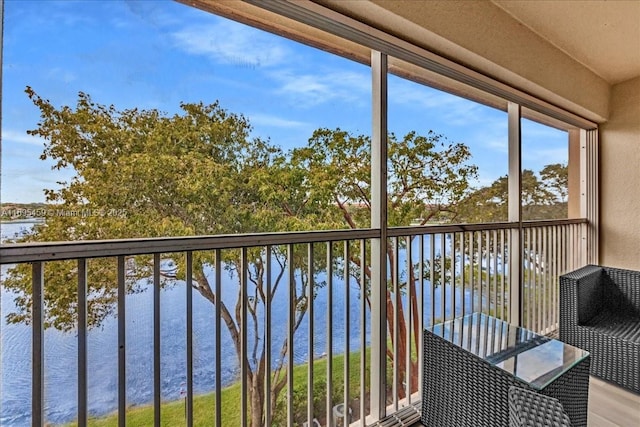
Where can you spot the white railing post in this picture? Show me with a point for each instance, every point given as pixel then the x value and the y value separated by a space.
pixel 378 246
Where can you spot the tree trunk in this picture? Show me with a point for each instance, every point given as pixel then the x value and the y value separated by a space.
pixel 256 401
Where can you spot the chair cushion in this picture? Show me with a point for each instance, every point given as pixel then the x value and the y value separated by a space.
pixel 619 324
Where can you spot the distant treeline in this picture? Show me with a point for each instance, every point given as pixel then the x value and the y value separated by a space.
pixel 12 211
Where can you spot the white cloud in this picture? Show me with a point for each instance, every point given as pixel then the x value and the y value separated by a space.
pixel 274 121
pixel 531 129
pixel 13 136
pixel 453 109
pixel 60 74
pixel 543 145
pixel 546 155
pixel 228 42
pixel 308 90
pixel 499 145
pixel 26 183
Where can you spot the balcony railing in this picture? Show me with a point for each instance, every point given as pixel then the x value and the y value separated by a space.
pixel 296 307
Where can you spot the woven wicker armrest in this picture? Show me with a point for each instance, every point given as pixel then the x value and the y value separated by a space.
pixel 530 409
pixel 581 295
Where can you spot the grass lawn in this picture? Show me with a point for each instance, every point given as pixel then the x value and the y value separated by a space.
pixel 173 413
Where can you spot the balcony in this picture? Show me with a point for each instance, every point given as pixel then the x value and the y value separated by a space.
pixel 308 328
pixel 307 305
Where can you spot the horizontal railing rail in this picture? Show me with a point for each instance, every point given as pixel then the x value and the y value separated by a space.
pixel 14 253
pixel 436 272
pixel 53 251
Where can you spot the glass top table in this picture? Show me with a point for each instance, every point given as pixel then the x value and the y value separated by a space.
pixel 537 360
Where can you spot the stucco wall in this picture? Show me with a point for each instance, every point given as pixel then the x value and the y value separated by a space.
pixel 620 178
pixel 483 37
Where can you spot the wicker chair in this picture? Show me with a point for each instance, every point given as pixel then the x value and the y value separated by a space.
pixel 600 313
pixel 530 409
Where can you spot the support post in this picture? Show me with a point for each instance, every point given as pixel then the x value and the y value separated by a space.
pixel 589 196
pixel 515 213
pixel 379 246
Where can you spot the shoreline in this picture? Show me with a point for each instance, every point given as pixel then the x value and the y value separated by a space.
pixel 23 221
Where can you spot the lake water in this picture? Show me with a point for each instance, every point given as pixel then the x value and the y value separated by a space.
pixel 61 349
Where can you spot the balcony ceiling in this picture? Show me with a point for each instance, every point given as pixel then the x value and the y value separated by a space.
pixel 604 36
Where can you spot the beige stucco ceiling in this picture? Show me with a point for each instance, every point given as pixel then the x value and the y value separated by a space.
pixel 604 36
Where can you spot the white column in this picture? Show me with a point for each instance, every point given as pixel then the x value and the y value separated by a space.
pixel 515 213
pixel 378 246
pixel 589 195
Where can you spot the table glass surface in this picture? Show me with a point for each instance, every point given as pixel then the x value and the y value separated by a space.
pixel 532 358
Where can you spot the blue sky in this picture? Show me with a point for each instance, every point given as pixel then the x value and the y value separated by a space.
pixel 155 54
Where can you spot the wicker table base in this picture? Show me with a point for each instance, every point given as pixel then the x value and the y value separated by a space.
pixel 462 389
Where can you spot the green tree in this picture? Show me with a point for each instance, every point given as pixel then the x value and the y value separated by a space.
pixel 543 197
pixel 194 173
pixel 428 176
pixel 555 178
pixel 200 172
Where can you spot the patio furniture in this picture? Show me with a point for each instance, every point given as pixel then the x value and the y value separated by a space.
pixel 600 312
pixel 471 362
pixel 530 409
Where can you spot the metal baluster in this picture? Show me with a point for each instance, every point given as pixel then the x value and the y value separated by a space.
pixel 472 270
pixel 432 276
pixel 545 280
pixel 420 312
pixel 82 342
pixel 487 267
pixel 309 296
pixel 487 270
pixel 408 318
pixel 396 328
pixel 268 338
pixel 443 276
pixel 37 344
pixel 463 284
pixel 506 268
pixel 454 298
pixel 290 329
pixel 218 331
pixel 529 299
pixel 244 349
pixel 494 274
pixel 540 279
pixel 363 331
pixel 532 279
pixel 157 385
pixel 122 361
pixel 503 273
pixel 329 379
pixel 189 296
pixel 480 276
pixel 347 332
pixel 555 280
